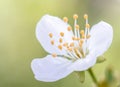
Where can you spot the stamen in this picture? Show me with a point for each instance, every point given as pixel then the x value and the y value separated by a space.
pixel 72 54
pixel 78 38
pixel 80 44
pixel 69 28
pixel 69 49
pixel 52 42
pixel 77 27
pixel 83 36
pixel 77 48
pixel 81 41
pixel 88 36
pixel 65 44
pixel 72 44
pixel 82 32
pixel 73 38
pixel 50 35
pixel 60 47
pixel 65 19
pixel 60 40
pixel 54 55
pixel 75 16
pixel 61 34
pixel 77 52
pixel 85 16
pixel 87 26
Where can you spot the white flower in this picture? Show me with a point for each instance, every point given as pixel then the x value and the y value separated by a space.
pixel 68 50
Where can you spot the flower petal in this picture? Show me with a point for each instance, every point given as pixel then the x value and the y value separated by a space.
pixel 50 69
pixel 49 24
pixel 84 63
pixel 101 38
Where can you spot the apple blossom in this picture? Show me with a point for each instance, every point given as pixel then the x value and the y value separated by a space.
pixel 69 49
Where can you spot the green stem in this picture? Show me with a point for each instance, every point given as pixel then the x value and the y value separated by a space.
pixel 93 77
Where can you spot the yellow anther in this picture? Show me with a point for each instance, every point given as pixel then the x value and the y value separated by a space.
pixel 54 55
pixel 61 34
pixel 65 44
pixel 77 27
pixel 81 41
pixel 52 42
pixel 80 44
pixel 65 19
pixel 75 16
pixel 73 38
pixel 87 26
pixel 50 35
pixel 69 28
pixel 60 47
pixel 88 36
pixel 82 32
pixel 60 40
pixel 72 44
pixel 85 16
pixel 75 48
pixel 83 36
pixel 69 49
pixel 78 38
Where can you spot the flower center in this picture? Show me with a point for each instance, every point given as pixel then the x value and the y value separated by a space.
pixel 78 47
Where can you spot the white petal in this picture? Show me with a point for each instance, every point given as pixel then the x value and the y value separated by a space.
pixel 101 38
pixel 84 63
pixel 49 24
pixel 50 69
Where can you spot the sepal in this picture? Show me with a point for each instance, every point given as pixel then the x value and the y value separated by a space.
pixel 101 59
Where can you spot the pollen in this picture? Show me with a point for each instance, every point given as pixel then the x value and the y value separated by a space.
pixel 52 42
pixel 60 47
pixel 81 41
pixel 75 16
pixel 77 27
pixel 65 44
pixel 72 44
pixel 80 44
pixel 82 32
pixel 73 38
pixel 61 34
pixel 88 36
pixel 65 19
pixel 54 55
pixel 50 35
pixel 83 36
pixel 69 28
pixel 60 40
pixel 87 26
pixel 85 16
pixel 69 49
pixel 78 38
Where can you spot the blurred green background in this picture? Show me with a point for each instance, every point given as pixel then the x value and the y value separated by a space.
pixel 18 44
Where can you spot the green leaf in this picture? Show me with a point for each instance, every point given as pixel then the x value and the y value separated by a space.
pixel 81 76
